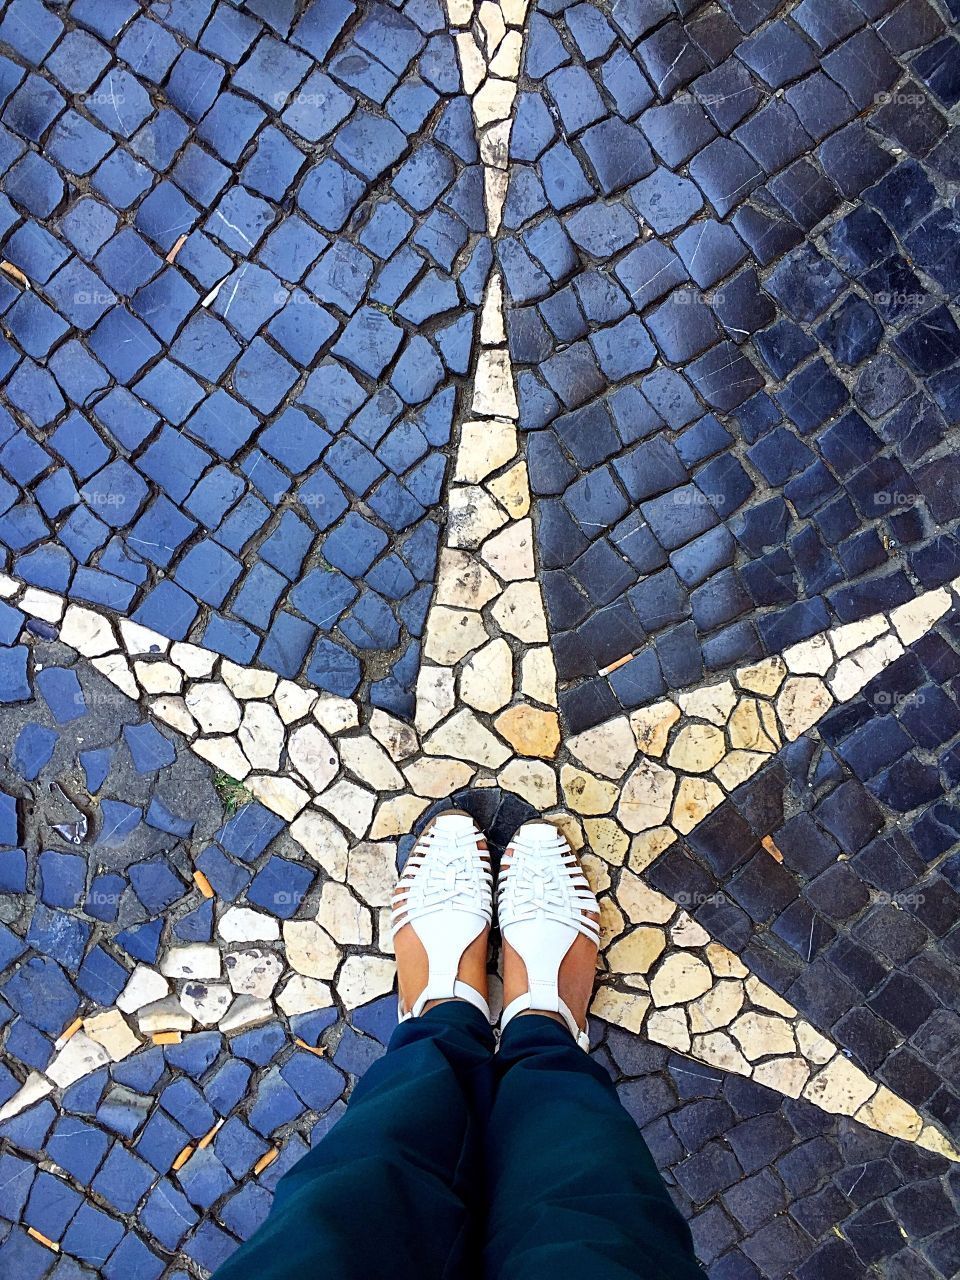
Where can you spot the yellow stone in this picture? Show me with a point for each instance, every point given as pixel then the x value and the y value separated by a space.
pixel 452 634
pixel 697 748
pixel 813 1045
pixel 484 447
pixel 682 977
pixel 638 951
pixel 786 1075
pixel 612 923
pixel 737 767
pixel 762 995
pixel 714 703
pixel 597 873
pixel 696 797
pixel 608 749
pixel 530 730
pixel 510 552
pixel 486 681
pixel 534 781
pixel 395 817
pixel 718 1050
pixel 465 738
pixel 648 846
pixel 763 1035
pixel 746 731
pixel 512 491
pixel 586 794
pixel 607 839
pixel 717 1008
pixel 723 962
pixel 463 582
pixel 764 677
pixel 643 904
pixel 890 1114
pixel 646 797
pixel 669 1027
pixel 436 777
pixel 622 1008
pixel 801 703
pixel 840 1087
pixel 651 726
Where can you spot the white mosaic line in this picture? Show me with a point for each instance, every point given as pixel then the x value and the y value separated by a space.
pixel 486 715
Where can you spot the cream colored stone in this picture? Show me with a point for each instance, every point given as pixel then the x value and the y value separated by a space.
pixel 685 932
pixel 486 681
pixel 597 873
pixel 144 986
pixel 158 677
pixel 364 978
pixel 303 995
pixel 225 754
pixel 839 1087
pixel 484 448
pixel 812 657
pixel 164 1015
pixel 696 797
pixel 651 726
pixel 495 184
pixel 139 639
pixel 436 777
pixel 813 1045
pixel 192 660
pixel 714 703
pixel 608 749
pixel 512 491
pixel 192 960
pixel 854 672
pixel 648 846
pixel 111 1030
pixel 681 977
pixel 213 707
pixel 345 919
pixel 787 1075
pixel 643 904
pixel 373 872
pixel 244 1012
pixel 538 678
pixel 638 951
pixel 243 924
pixel 452 634
pixel 492 24
pixel 280 795
pixel 463 582
pixel 205 1003
pixel 385 931
pixel 87 632
pixel 292 702
pixel 494 149
pixel 890 1114
pixel 585 793
pixel 435 696
pixel 723 962
pixel 612 923
pixel 492 101
pixel 30 1092
pixel 395 817
pixel 531 731
pixel 763 677
pixel 717 1007
pixel 80 1056
pixel 352 806
pixel 623 1009
pixel 646 797
pixel 334 714
pixel 493 392
pixel 473 68
pixel 399 740
pixel 607 839
pixel 493 332
pixel 519 612
pixel 930 1139
pixel 465 738
pixel 507 60
pixel 117 670
pixel 746 731
pixel 510 553
pixel 310 949
pixel 718 1050
pixel 915 618
pixel 737 766
pixel 41 604
pixel 370 763
pixel 762 1035
pixel 534 781
pixel 669 1027
pixel 247 682
pixel 473 516
pixel 173 711
pixel 802 701
pixel 854 635
pixel 313 755
pixel 762 995
pixel 569 825
pixel 261 735
pixel 697 748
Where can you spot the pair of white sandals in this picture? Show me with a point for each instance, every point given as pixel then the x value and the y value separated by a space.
pixel 445 892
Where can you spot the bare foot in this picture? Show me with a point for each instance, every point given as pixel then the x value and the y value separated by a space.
pixel 412 968
pixel 578 971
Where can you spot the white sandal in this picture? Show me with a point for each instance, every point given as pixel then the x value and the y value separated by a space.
pixel 542 894
pixel 444 892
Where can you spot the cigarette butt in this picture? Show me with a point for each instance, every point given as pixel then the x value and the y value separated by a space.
pixel 614 665
pixel 265 1161
pixel 183 1157
pixel 203 884
pixel 70 1032
pixel 318 1049
pixel 772 849
pixel 209 1137
pixel 51 1244
pixel 167 1037
pixel 176 249
pixel 15 272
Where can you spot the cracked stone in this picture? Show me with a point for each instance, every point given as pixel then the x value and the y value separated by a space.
pixel 452 634
pixel 713 703
pixel 697 748
pixel 622 1008
pixel 609 749
pixel 763 677
pixel 213 707
pixel 435 696
pixel 717 1007
pixel 607 839
pixel 463 582
pixel 718 1050
pixel 746 730
pixel 465 738
pixel 839 1087
pixel 682 977
pixel 486 681
pixel 696 797
pixel 585 793
pixel 510 552
pixel 484 448
pixel 352 806
pixel 638 951
pixel 669 1027
pixel 762 1035
pixel 512 491
pixel 396 817
pixel 651 727
pixel 313 755
pixel 802 701
pixel 368 760
pixel 473 516
pixel 310 949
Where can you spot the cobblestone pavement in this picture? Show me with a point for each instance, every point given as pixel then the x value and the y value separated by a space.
pixel 540 407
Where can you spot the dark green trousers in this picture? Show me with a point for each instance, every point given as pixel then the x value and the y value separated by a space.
pixel 452 1162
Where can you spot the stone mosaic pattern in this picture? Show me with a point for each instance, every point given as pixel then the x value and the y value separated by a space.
pixel 195 967
pixel 232 351
pixel 738 388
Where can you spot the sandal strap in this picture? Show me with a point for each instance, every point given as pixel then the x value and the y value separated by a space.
pixel 439 991
pixel 525 1001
